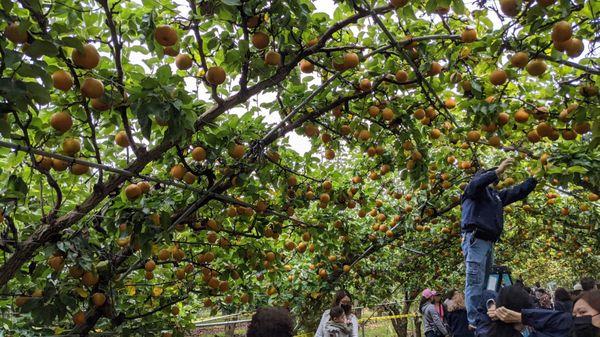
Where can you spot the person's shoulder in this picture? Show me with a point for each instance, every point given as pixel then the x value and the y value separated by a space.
pixel 453 312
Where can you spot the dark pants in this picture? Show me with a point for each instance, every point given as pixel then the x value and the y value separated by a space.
pixel 432 333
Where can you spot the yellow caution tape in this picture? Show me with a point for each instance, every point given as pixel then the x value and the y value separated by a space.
pixel 385 318
pixel 369 319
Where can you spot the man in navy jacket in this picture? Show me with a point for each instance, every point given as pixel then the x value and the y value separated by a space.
pixel 541 322
pixel 482 224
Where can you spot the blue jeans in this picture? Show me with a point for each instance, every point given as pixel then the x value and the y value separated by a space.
pixel 479 258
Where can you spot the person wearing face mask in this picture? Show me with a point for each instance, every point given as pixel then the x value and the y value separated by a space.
pixel 344 300
pixel 586 315
pixel 433 325
pixel 514 315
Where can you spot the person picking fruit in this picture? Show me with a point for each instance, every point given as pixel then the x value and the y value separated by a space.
pixel 482 222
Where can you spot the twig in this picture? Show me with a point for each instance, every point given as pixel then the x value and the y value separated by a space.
pixel 200 42
pixel 116 48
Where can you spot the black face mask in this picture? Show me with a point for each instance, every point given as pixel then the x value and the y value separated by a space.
pixel 582 327
pixel 347 308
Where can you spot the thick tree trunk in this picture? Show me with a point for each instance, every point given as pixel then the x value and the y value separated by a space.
pixel 401 324
pixel 417 321
pixel 229 330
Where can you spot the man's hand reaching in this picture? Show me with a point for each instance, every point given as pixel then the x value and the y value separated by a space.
pixel 506 163
pixel 507 315
pixel 536 173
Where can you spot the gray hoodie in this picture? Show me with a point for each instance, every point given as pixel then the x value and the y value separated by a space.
pixel 334 329
pixel 432 320
pixel 325 318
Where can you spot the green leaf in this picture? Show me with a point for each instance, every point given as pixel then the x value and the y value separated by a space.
pixel 458 6
pixel 408 12
pixel 232 56
pixel 243 47
pixel 430 6
pixel 39 93
pixel 72 42
pixel 41 47
pixel 17 186
pixel 34 71
pixel 163 74
pixel 338 14
pixel 4 128
pixel 138 49
pixel 138 108
pixel 595 142
pixel 225 13
pixel 577 169
pixel 212 43
pixel 11 57
pixel 147 28
pixel 7 5
pixel 232 2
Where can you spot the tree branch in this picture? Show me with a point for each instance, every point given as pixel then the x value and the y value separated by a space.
pixel 246 62
pixel 570 64
pixel 116 48
pixel 200 42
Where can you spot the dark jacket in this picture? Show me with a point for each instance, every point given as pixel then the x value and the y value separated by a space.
pixel 482 206
pixel 547 323
pixel 458 323
pixel 564 306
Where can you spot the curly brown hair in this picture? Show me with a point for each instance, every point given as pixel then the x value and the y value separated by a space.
pixel 592 298
pixel 458 303
pixel 271 322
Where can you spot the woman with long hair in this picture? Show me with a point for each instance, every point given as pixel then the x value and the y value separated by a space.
pixel 343 299
pixel 457 315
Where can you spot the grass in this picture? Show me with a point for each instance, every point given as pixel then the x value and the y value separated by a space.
pixel 378 329
pixel 373 328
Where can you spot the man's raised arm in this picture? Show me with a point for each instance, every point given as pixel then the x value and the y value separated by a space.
pixel 481 181
pixel 516 193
